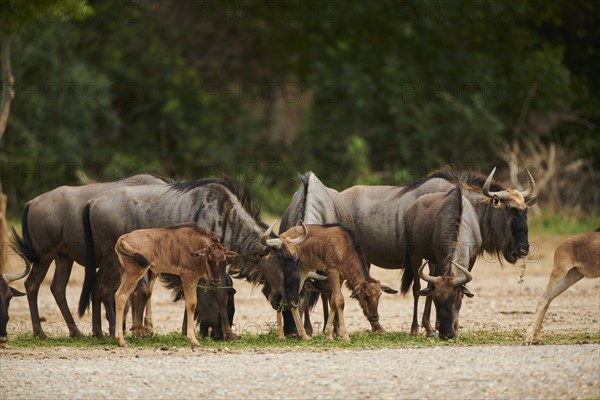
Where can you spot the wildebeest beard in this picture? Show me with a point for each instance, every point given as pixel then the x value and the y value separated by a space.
pixel 291 277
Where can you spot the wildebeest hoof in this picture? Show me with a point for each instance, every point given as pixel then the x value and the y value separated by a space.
pixel 431 334
pixel 76 334
pixel 40 335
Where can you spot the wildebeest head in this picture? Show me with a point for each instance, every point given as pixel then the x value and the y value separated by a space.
pixel 507 219
pixel 6 294
pixel 217 257
pixel 281 268
pixel 368 293
pixel 447 292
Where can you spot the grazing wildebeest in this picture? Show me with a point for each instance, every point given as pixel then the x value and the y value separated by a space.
pixel 575 257
pixel 443 229
pixel 52 230
pixel 314 203
pixel 213 204
pixel 378 213
pixel 208 314
pixel 184 250
pixel 7 292
pixel 332 248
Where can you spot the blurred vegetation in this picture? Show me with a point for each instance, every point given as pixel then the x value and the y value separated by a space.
pixel 358 92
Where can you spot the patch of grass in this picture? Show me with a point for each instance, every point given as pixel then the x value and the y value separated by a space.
pixel 361 340
pixel 563 225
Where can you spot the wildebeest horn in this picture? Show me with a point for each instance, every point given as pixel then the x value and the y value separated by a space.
pixel 467 278
pixel 427 278
pixel 17 276
pixel 267 233
pixel 302 237
pixel 318 277
pixel 274 243
pixel 529 191
pixel 486 187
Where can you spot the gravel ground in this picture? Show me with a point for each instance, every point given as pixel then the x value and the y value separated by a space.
pixel 433 373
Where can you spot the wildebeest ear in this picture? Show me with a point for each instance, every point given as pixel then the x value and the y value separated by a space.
pixel 466 291
pixel 388 289
pixel 16 293
pixel 531 201
pixel 428 291
pixel 355 292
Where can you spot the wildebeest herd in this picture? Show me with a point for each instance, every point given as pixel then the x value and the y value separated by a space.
pixel 199 235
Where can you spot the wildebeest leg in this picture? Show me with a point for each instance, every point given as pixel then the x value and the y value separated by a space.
pixel 97 310
pixel 148 323
pixel 337 306
pixel 307 323
pixel 559 282
pixel 32 287
pixel 62 273
pixel 184 323
pixel 280 325
pixel 131 275
pixel 222 299
pixel 190 283
pixel 139 299
pixel 414 329
pixel 325 300
pixel 299 324
pixel 426 322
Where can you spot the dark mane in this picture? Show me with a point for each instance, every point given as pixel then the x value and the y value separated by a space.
pixel 450 231
pixel 468 178
pixel 350 233
pixel 242 194
pixel 302 207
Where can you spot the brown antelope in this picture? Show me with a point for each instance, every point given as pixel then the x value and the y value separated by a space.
pixel 184 250
pixel 574 258
pixel 332 249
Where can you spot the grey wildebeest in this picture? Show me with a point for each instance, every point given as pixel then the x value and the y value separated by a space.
pixel 332 248
pixel 7 292
pixel 184 250
pixel 443 229
pixel 52 230
pixel 314 203
pixel 575 257
pixel 213 204
pixel 208 315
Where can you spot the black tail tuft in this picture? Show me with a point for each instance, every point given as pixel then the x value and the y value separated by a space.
pixel 408 275
pixel 89 281
pixel 25 245
pixel 173 283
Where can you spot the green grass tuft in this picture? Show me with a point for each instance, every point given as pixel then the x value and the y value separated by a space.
pixel 361 340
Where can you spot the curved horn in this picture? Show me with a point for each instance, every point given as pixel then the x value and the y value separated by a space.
pixel 274 243
pixel 486 187
pixel 267 234
pixel 302 237
pixel 318 277
pixel 467 278
pixel 17 276
pixel 427 278
pixel 529 191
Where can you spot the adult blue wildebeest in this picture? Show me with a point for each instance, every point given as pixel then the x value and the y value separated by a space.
pixel 443 229
pixel 7 293
pixel 378 213
pixel 213 204
pixel 52 230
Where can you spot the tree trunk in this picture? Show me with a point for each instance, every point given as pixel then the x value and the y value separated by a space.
pixel 6 98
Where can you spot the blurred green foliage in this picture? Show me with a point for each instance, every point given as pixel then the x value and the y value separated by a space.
pixel 359 92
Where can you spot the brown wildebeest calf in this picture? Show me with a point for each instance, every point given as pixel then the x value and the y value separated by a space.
pixel 574 258
pixel 184 250
pixel 332 248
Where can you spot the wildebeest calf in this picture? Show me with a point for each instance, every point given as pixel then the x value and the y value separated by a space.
pixel 574 258
pixel 184 250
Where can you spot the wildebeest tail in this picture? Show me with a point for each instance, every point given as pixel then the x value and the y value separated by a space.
pixel 24 245
pixel 408 275
pixel 173 283
pixel 125 249
pixel 89 281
